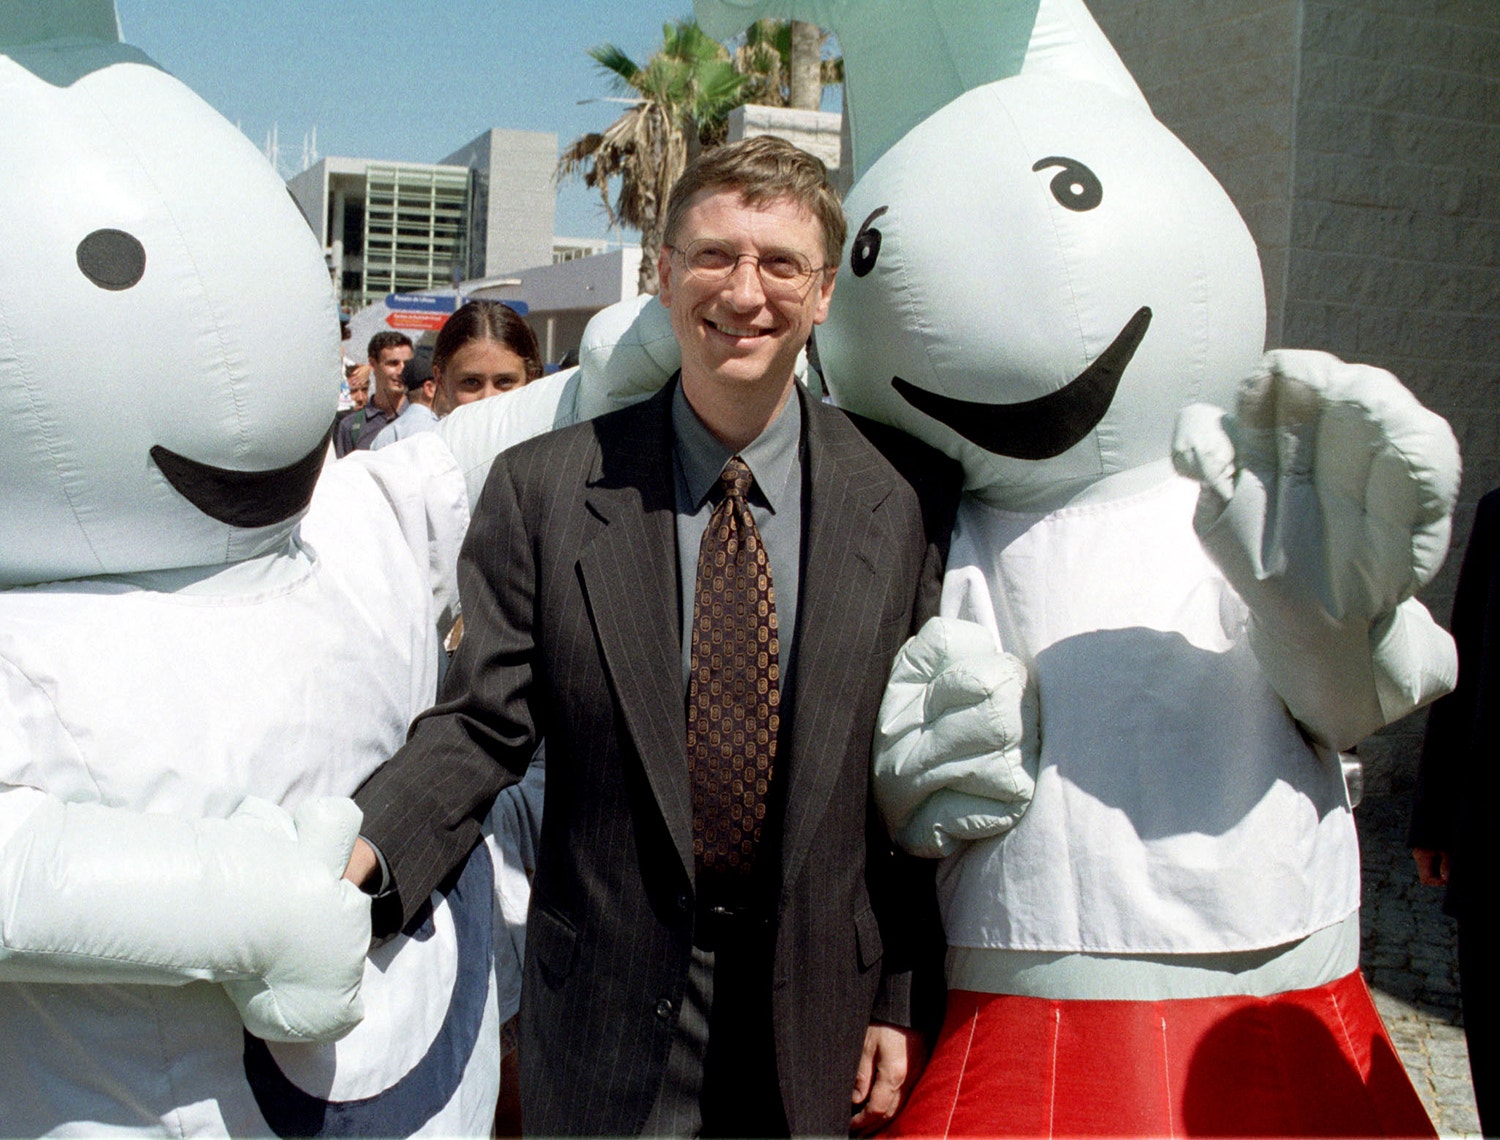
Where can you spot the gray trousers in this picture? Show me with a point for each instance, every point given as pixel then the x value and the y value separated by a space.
pixel 720 1077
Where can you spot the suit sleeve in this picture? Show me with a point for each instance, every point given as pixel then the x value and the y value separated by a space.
pixel 903 888
pixel 425 806
pixel 1448 742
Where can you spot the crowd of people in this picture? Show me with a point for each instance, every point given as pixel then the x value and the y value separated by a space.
pixel 482 350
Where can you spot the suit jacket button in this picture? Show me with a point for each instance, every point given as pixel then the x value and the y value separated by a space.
pixel 683 902
pixel 664 1009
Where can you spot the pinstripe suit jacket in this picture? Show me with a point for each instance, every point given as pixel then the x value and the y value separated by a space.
pixel 569 579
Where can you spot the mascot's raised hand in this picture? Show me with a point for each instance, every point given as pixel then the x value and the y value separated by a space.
pixel 1327 502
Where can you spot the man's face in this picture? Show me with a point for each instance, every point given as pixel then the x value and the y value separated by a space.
pixel 359 388
pixel 385 377
pixel 744 332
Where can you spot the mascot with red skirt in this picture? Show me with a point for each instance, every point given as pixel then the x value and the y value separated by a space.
pixel 1180 587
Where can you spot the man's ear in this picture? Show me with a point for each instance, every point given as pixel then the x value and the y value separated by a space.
pixel 825 295
pixel 664 277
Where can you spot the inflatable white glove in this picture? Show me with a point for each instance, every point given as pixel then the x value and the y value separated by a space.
pixel 628 352
pixel 1327 501
pixel 956 743
pixel 255 902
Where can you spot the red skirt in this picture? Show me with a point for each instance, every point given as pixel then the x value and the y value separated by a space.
pixel 1309 1063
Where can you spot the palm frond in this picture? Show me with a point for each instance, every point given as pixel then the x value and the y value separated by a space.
pixel 615 63
pixel 683 95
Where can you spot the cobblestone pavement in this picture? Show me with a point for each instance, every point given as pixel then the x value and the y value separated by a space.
pixel 1409 954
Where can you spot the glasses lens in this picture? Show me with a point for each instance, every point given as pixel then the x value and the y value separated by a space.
pixel 710 260
pixel 784 268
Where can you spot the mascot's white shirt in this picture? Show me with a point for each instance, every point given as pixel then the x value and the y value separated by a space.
pixel 283 680
pixel 1178 809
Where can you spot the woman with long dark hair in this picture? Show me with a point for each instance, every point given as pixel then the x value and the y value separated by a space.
pixel 482 350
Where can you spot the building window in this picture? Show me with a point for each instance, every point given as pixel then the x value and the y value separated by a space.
pixel 415 228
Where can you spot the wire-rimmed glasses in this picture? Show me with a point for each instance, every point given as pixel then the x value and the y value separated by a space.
pixel 782 272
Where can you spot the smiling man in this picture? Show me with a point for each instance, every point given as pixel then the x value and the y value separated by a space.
pixel 695 602
pixel 389 351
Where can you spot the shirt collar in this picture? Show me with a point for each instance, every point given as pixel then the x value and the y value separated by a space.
pixel 771 456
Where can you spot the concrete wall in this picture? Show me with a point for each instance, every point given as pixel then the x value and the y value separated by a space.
pixel 1222 76
pixel 817 132
pixel 309 190
pixel 1361 141
pixel 515 176
pixel 1395 250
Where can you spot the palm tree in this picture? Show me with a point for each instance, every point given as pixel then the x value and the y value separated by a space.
pixel 784 65
pixel 806 80
pixel 681 100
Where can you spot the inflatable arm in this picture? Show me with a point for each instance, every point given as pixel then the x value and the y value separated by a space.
pixel 429 497
pixel 955 745
pixel 1327 502
pixel 476 433
pixel 255 903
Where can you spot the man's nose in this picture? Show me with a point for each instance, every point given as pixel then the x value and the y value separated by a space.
pixel 745 287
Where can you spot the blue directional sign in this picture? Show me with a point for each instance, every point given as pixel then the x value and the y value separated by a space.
pixel 421 302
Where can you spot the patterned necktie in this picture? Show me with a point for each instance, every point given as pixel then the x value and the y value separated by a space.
pixel 734 693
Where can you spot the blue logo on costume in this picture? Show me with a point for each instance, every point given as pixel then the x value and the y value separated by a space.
pixel 430 1084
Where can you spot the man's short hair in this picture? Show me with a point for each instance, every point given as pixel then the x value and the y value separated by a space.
pixel 384 339
pixel 763 169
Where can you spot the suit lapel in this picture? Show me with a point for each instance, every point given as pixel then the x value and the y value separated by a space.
pixel 629 572
pixel 839 605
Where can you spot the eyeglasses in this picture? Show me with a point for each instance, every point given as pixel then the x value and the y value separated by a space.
pixel 782 273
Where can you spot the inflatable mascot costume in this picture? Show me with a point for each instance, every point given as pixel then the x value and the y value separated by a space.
pixel 204 645
pixel 1204 608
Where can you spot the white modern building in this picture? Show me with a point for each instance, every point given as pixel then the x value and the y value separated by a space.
pixel 386 227
pixel 479 225
pixel 514 197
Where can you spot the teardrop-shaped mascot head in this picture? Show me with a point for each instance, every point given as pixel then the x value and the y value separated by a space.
pixel 1040 275
pixel 168 331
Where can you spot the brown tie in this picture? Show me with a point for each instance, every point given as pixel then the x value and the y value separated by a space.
pixel 734 690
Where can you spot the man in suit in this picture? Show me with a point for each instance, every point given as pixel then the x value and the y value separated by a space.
pixel 720 939
pixel 1458 783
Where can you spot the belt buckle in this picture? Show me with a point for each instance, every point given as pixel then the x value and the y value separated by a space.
pixel 716 924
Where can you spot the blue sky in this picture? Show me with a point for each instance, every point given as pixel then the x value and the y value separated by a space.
pixel 408 80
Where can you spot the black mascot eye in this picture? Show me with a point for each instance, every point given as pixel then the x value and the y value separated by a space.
pixel 866 246
pixel 1075 186
pixel 112 259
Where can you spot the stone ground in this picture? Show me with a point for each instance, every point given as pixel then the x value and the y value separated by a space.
pixel 1409 954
